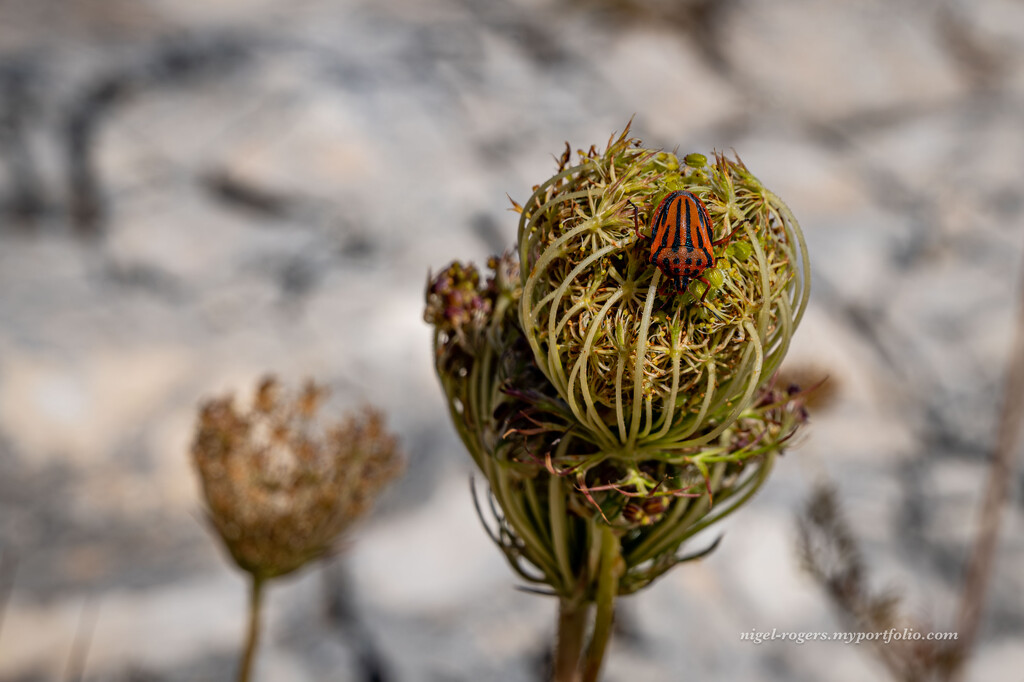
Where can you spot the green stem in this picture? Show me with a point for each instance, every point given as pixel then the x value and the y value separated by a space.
pixel 253 634
pixel 572 622
pixel 559 528
pixel 607 588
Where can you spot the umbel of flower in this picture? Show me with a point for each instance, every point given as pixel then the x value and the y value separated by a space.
pixel 644 373
pixel 280 485
pixel 612 416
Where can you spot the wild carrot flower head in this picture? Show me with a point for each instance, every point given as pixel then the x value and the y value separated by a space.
pixel 589 393
pixel 281 486
pixel 643 370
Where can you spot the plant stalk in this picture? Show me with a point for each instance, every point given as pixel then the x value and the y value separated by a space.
pixel 572 623
pixel 253 634
pixel 994 501
pixel 607 588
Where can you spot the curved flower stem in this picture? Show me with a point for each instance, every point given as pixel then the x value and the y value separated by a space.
pixel 572 622
pixel 641 353
pixel 559 527
pixel 607 589
pixel 253 634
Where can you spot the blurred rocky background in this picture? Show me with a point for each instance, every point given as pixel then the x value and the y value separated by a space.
pixel 195 193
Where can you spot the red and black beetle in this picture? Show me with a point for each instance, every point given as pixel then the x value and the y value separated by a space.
pixel 681 239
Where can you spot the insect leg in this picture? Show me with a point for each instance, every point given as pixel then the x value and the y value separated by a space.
pixel 707 288
pixel 727 238
pixel 636 221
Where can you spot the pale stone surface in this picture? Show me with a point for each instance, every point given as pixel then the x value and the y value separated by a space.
pixel 827 60
pixel 369 143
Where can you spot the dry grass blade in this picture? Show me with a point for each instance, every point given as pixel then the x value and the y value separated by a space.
pixel 997 489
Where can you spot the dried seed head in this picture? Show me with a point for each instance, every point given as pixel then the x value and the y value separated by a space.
pixel 280 486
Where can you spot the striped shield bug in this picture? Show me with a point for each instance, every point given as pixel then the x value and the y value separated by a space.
pixel 681 239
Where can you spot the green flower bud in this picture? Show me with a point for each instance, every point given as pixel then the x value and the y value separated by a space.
pixel 695 160
pixel 645 373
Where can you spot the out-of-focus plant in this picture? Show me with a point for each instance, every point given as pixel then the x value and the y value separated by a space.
pixel 831 554
pixel 614 419
pixel 282 486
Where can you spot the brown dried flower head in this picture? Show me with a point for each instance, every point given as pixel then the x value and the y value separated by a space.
pixel 280 485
